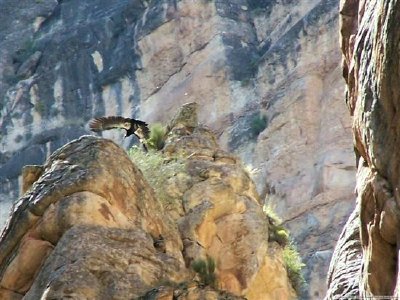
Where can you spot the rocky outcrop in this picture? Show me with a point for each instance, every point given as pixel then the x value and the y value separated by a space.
pixel 345 267
pixel 265 73
pixel 89 216
pixel 223 218
pixel 370 45
pixel 90 227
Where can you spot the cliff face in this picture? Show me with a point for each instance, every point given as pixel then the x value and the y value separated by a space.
pixel 370 40
pixel 265 73
pixel 304 158
pixel 91 227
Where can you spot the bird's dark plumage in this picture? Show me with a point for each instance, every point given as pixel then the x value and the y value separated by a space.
pixel 139 128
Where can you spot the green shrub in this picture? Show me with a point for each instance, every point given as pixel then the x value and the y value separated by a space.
pixel 294 265
pixel 245 82
pixel 276 231
pixel 258 124
pixel 40 107
pixel 27 48
pixel 270 212
pixel 254 63
pixel 206 271
pixel 291 257
pixel 156 169
pixel 156 140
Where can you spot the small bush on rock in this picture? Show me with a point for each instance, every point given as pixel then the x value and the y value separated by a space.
pixel 294 265
pixel 156 169
pixel 258 124
pixel 276 231
pixel 206 271
pixel 156 140
pixel 291 257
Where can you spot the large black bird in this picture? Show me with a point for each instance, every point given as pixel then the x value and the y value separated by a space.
pixel 139 128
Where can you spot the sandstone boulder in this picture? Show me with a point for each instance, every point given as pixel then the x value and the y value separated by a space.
pixel 90 227
pixel 86 229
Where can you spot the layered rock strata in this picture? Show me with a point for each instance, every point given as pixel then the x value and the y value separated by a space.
pixel 370 40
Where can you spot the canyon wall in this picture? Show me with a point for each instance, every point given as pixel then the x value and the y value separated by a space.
pixel 366 262
pixel 266 75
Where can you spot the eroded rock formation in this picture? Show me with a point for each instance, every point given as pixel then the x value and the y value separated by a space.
pixel 370 39
pixel 91 215
pixel 90 226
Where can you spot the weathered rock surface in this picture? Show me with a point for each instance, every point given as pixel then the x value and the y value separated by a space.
pixel 304 162
pixel 90 227
pixel 64 62
pixel 223 216
pixel 370 44
pixel 345 266
pixel 61 63
pixel 89 222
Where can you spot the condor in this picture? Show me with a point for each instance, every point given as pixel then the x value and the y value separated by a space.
pixel 136 127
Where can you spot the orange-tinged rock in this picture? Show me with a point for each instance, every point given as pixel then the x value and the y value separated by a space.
pixel 225 219
pixel 89 182
pixel 21 272
pixel 92 228
pixel 30 174
pixel 9 295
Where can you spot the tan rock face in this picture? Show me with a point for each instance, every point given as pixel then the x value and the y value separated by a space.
pixel 90 227
pixel 92 216
pixel 369 39
pixel 223 217
pixel 303 159
pixel 184 61
pixel 30 174
pixel 144 59
pixel 9 295
pixel 190 292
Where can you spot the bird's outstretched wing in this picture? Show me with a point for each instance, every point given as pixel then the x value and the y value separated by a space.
pixel 106 123
pixel 140 129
